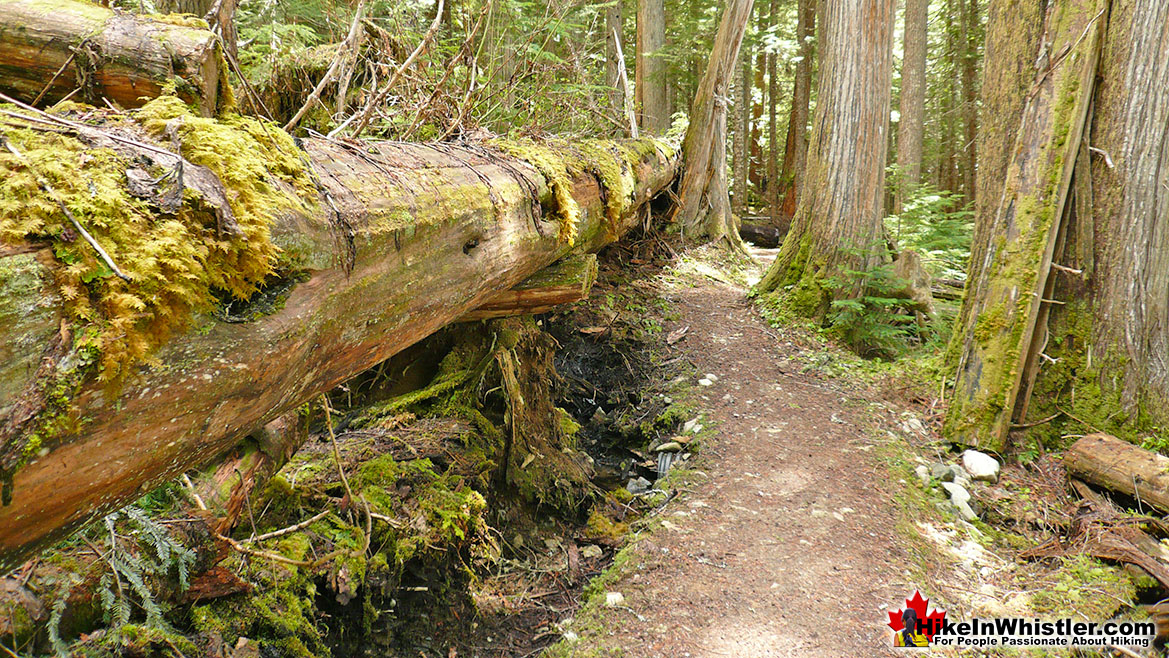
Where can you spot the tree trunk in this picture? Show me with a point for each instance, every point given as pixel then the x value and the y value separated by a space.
pixel 772 130
pixel 652 101
pixel 742 114
pixel 703 205
pixel 795 145
pixel 1002 326
pixel 104 54
pixel 614 34
pixel 970 22
pixel 838 223
pixel 912 108
pixel 1111 338
pixel 427 232
pixel 566 281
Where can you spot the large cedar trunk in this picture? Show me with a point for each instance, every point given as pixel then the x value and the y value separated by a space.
pixel 912 107
pixel 1110 341
pixel 838 223
pixel 407 238
pixel 51 50
pixel 1038 91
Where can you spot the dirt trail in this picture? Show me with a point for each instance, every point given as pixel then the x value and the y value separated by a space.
pixel 788 547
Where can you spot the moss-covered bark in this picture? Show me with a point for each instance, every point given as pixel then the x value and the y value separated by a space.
pixel 1019 223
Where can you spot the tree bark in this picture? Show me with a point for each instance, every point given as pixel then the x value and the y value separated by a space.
pixel 838 223
pixel 970 22
pixel 1111 338
pixel 795 145
pixel 742 114
pixel 703 203
pixel 912 107
pixel 1001 329
pixel 772 129
pixel 650 77
pixel 104 54
pixel 408 239
pixel 614 34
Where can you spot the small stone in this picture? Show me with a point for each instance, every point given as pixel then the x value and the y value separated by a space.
pixel 682 439
pixel 916 425
pixel 705 382
pixel 614 599
pixel 697 428
pixel 923 474
pixel 981 466
pixel 569 636
pixel 965 511
pixel 939 471
pixel 713 378
pixel 638 485
pixel 591 551
pixel 958 493
pixel 669 446
pixel 689 425
pixel 668 400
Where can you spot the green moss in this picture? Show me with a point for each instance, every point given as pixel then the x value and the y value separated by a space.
pixel 1084 587
pixel 174 262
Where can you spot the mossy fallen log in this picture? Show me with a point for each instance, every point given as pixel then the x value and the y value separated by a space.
pixel 1120 466
pixel 349 253
pixel 52 49
pixel 565 282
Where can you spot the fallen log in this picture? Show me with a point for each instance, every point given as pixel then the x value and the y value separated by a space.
pixel 64 48
pixel 402 240
pixel 1120 466
pixel 565 282
pixel 765 236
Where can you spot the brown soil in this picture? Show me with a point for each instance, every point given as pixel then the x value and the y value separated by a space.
pixel 787 547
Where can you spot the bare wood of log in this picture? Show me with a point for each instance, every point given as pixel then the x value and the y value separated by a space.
pixel 564 282
pixel 120 56
pixel 1117 465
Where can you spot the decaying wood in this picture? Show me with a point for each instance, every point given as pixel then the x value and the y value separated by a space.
pixel 565 282
pixel 51 50
pixel 917 290
pixel 1120 466
pixel 762 235
pixel 997 329
pixel 407 239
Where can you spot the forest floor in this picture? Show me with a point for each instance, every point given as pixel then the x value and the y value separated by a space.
pixel 784 540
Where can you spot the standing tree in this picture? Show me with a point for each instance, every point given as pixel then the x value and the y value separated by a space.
pixel 650 77
pixel 912 108
pixel 772 127
pixel 1067 290
pixel 795 145
pixel 838 224
pixel 703 207
pixel 614 30
pixel 742 117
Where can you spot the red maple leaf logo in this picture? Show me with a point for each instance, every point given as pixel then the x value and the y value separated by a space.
pixel 931 620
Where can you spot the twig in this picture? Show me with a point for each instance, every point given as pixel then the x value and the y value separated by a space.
pixel 292 528
pixel 44 184
pixel 343 53
pixel 54 78
pixel 1037 423
pixel 363 119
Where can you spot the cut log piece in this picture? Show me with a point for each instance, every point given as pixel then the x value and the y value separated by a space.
pixel 406 239
pixel 765 236
pixel 51 49
pixel 565 282
pixel 1120 466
